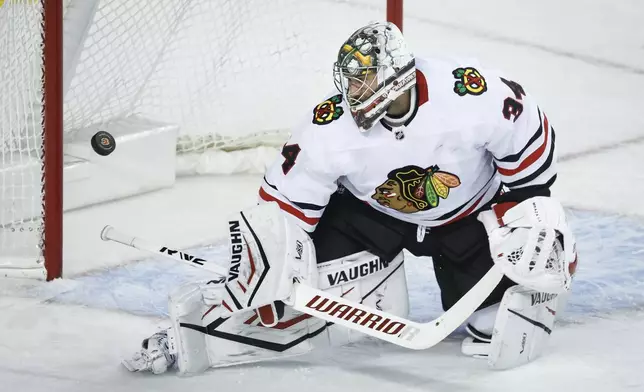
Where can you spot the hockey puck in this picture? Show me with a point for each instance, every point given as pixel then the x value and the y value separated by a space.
pixel 103 143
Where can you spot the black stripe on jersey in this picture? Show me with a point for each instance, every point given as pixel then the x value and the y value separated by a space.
pixel 464 205
pixel 269 184
pixel 536 189
pixel 542 169
pixel 535 137
pixel 308 206
pixel 304 206
pixel 519 195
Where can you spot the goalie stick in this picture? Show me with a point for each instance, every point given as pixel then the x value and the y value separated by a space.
pixel 352 315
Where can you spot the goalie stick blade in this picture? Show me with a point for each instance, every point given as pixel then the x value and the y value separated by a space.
pixel 394 329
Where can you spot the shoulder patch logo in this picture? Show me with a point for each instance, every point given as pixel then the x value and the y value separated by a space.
pixel 328 110
pixel 470 81
pixel 411 188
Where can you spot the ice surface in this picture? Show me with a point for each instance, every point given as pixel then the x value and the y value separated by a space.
pixel 584 61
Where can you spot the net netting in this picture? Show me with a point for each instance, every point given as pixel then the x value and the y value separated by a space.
pixel 234 75
pixel 20 132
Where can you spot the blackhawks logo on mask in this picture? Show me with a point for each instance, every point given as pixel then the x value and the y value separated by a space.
pixel 470 81
pixel 328 110
pixel 411 188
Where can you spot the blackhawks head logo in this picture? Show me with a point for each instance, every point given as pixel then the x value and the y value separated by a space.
pixel 470 81
pixel 411 188
pixel 328 110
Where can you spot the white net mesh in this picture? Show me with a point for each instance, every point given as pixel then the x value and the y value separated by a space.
pixel 20 131
pixel 233 75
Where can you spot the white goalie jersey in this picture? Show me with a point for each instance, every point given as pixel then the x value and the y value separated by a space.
pixel 472 130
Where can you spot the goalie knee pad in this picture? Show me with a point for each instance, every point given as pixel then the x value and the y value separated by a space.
pixel 481 323
pixel 209 336
pixel 368 279
pixel 523 322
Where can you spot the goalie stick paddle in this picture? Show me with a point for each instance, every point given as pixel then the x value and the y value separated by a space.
pixel 350 314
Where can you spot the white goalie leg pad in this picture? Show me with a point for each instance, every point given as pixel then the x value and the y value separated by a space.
pixel 480 326
pixel 267 254
pixel 533 243
pixel 208 336
pixel 523 325
pixel 367 279
pixel 185 304
pixel 481 323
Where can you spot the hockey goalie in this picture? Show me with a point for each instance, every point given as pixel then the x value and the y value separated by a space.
pixel 443 158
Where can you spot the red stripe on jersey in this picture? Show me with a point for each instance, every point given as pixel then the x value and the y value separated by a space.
pixel 532 158
pixel 423 91
pixel 464 213
pixel 288 208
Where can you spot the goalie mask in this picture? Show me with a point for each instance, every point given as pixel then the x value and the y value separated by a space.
pixel 374 67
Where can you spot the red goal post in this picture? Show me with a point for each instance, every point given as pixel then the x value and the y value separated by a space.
pixel 52 178
pixel 163 77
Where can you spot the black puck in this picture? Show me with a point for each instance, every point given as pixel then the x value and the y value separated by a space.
pixel 103 143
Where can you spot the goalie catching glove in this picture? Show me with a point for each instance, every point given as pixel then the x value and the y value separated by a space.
pixel 533 243
pixel 534 246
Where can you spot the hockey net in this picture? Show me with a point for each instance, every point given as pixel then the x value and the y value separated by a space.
pixel 231 75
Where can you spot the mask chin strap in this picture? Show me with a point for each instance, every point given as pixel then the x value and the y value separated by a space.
pixel 399 121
